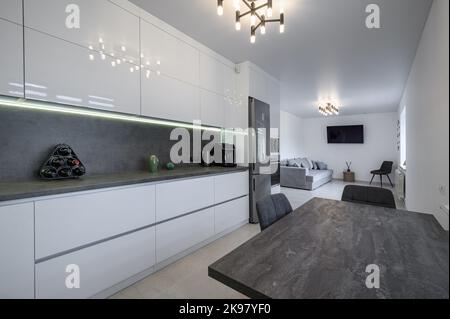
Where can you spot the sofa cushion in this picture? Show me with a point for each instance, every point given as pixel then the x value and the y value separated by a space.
pixel 322 166
pixel 315 175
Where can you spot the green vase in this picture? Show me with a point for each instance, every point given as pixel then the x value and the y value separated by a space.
pixel 153 163
pixel 170 166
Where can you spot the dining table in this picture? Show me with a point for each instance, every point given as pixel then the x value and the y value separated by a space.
pixel 328 249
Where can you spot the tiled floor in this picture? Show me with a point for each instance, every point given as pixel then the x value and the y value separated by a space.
pixel 188 277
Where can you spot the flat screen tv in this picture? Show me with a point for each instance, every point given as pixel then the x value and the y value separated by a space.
pixel 353 134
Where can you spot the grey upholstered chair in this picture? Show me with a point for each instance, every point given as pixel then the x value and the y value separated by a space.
pixel 271 209
pixel 385 169
pixel 374 196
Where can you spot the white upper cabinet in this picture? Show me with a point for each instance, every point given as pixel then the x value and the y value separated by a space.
pixel 17 251
pixel 259 85
pixel 62 72
pixel 11 10
pixel 11 58
pixel 229 82
pixel 212 108
pixel 165 53
pixel 169 98
pixel 212 74
pixel 99 21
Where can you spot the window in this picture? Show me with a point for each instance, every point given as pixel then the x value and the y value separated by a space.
pixel 403 138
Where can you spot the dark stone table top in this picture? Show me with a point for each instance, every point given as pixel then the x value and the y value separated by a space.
pixel 323 248
pixel 36 188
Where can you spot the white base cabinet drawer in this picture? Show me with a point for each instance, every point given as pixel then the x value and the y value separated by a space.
pixel 230 186
pixel 100 267
pixel 70 222
pixel 16 252
pixel 177 198
pixel 231 214
pixel 180 234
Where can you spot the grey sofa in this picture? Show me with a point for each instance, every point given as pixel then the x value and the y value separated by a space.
pixel 304 178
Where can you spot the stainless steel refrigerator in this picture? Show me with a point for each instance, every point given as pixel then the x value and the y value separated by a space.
pixel 259 154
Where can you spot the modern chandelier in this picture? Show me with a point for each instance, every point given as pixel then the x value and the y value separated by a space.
pixel 328 109
pixel 258 20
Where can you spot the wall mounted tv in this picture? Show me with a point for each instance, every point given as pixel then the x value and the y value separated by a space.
pixel 353 134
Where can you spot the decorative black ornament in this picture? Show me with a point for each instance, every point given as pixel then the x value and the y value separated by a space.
pixel 62 163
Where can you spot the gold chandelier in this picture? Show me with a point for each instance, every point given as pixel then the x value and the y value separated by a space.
pixel 328 109
pixel 257 19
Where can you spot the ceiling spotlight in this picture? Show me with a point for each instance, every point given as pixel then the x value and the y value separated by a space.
pixel 220 7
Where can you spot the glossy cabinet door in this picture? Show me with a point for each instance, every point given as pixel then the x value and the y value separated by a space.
pixel 211 74
pixel 11 59
pixel 169 55
pixel 231 214
pixel 180 234
pixel 174 199
pixel 17 251
pixel 212 108
pixel 67 223
pixel 100 267
pixel 11 10
pixel 258 85
pixel 62 72
pixel 100 20
pixel 169 98
pixel 230 186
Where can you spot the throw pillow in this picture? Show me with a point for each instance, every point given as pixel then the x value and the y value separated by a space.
pixel 284 163
pixel 306 163
pixel 310 163
pixel 322 166
pixel 315 167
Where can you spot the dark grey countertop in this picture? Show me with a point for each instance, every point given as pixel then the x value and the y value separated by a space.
pixel 323 248
pixel 36 188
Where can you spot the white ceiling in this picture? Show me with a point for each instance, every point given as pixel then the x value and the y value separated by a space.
pixel 326 52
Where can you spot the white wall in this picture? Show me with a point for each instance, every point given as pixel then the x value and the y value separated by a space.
pixel 291 136
pixel 379 143
pixel 426 99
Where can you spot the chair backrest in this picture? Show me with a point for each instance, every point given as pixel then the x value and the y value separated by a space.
pixel 271 209
pixel 386 167
pixel 369 195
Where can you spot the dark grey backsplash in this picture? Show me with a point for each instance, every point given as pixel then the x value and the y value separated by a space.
pixel 103 145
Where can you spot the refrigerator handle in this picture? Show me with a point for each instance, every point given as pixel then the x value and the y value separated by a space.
pixel 254 184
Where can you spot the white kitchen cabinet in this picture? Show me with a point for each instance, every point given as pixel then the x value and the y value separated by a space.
pixel 61 72
pixel 100 267
pixel 17 252
pixel 259 86
pixel 163 52
pixel 100 20
pixel 168 98
pixel 180 234
pixel 213 111
pixel 11 59
pixel 71 222
pixel 231 214
pixel 181 197
pixel 11 10
pixel 229 82
pixel 211 74
pixel 230 186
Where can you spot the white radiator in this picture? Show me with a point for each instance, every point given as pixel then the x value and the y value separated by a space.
pixel 400 184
